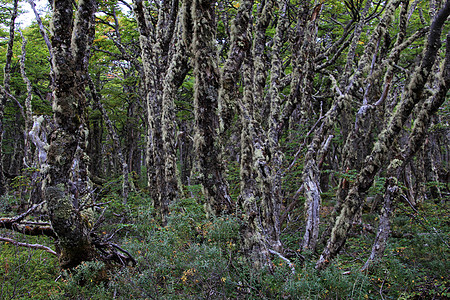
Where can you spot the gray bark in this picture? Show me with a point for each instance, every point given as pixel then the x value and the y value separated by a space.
pixel 411 97
pixel 6 82
pixel 155 41
pixel 66 186
pixel 206 88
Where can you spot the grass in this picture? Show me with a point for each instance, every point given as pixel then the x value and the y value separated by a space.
pixel 198 258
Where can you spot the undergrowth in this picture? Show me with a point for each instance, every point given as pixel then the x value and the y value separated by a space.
pixel 198 258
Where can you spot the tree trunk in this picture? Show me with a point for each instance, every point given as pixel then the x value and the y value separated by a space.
pixel 253 240
pixel 384 225
pixel 207 77
pixel 116 142
pixel 67 185
pixel 6 82
pixel 155 42
pixel 373 162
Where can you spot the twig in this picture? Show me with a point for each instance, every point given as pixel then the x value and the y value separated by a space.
pixel 290 264
pixel 126 252
pixel 426 220
pixel 33 246
pixel 29 211
pixel 381 289
pixel 113 234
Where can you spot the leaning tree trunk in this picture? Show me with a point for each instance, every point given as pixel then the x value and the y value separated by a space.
pixel 373 162
pixel 66 185
pixel 418 134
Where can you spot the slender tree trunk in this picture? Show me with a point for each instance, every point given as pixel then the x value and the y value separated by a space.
pixel 95 145
pixel 384 225
pixel 6 82
pixel 115 138
pixel 28 155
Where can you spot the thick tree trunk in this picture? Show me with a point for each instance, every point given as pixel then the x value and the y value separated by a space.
pixel 67 186
pixel 253 240
pixel 176 73
pixel 207 77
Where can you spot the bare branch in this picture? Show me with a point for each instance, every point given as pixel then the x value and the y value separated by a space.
pixel 33 246
pixel 290 264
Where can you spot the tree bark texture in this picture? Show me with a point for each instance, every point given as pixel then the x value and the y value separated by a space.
pixel 155 40
pixel 384 224
pixel 206 88
pixel 411 97
pixel 6 83
pixel 67 185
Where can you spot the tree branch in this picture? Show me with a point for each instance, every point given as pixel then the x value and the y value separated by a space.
pixel 33 246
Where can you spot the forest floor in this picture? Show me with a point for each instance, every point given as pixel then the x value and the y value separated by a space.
pixel 198 258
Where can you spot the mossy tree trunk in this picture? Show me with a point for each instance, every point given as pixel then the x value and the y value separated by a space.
pixel 207 76
pixel 161 84
pixel 255 245
pixel 412 95
pixel 67 185
pixel 359 136
pixel 5 90
pixel 261 158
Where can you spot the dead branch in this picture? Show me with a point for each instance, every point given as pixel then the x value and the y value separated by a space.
pixel 33 246
pixel 27 227
pixel 25 214
pixel 290 264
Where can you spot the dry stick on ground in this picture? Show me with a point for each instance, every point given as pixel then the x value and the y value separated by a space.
pixel 290 264
pixel 27 228
pixel 33 246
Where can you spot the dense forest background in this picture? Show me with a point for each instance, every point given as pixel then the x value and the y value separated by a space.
pixel 225 149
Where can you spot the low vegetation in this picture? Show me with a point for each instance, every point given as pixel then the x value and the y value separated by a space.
pixel 195 257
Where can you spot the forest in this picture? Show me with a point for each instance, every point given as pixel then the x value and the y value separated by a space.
pixel 251 149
